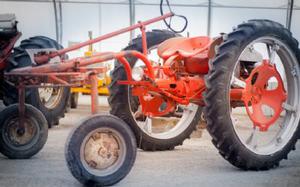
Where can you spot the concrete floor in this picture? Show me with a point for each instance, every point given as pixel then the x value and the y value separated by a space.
pixel 196 163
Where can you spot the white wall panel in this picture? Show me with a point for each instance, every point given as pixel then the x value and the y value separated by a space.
pixel 197 18
pixel 182 2
pixel 251 3
pixel 224 19
pixel 114 17
pixel 78 19
pixel 34 18
pixel 295 26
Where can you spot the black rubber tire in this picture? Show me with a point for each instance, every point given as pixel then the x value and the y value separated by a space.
pixel 77 136
pixel 217 111
pixel 74 100
pixel 25 151
pixel 120 105
pixel 20 58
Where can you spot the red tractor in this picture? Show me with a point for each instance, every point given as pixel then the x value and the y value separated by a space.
pixel 246 81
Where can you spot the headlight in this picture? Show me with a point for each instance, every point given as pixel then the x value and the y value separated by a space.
pixel 137 73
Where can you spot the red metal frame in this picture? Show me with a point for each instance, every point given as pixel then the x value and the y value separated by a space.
pixel 173 83
pixel 5 53
pixel 75 72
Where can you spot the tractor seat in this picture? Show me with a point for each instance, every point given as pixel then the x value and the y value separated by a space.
pixel 184 47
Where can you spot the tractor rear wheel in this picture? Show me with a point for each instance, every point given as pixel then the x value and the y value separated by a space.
pixel 155 133
pixel 52 102
pixel 260 131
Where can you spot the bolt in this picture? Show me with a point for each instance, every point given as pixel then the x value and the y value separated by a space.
pixel 20 131
pixel 276 47
pixel 279 140
pixel 92 164
pixel 294 72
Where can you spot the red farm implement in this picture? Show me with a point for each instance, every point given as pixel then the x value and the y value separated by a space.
pixel 247 81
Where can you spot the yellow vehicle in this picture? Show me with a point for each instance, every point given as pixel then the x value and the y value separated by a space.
pixel 103 82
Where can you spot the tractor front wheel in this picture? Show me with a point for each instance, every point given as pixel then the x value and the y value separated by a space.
pixel 100 151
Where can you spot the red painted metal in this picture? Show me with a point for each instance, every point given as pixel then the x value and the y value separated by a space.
pixel 144 39
pixel 7 50
pixel 94 92
pixel 184 47
pixel 180 80
pixel 256 95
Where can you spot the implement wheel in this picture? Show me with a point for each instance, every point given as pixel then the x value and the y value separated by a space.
pixel 22 143
pixel 101 151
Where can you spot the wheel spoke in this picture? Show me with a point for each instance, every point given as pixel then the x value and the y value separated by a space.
pixel 236 82
pixel 185 108
pixel 272 49
pixel 252 140
pixel 148 125
pixel 288 107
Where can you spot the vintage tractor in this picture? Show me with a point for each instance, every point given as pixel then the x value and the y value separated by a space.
pixel 247 81
pixel 50 101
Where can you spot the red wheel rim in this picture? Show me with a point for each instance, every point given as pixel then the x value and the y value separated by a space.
pixel 256 95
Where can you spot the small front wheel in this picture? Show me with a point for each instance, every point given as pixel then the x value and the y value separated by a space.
pixel 101 150
pixel 22 142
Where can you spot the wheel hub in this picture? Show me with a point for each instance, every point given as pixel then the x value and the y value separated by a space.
pixel 101 150
pixel 256 95
pixel 21 136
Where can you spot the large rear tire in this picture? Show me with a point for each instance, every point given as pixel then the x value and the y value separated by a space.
pixel 262 149
pixel 125 106
pixel 52 102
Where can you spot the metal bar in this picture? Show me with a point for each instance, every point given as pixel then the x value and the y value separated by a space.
pixel 80 62
pixel 94 93
pixel 67 65
pixel 55 78
pixel 109 35
pixel 132 17
pixel 56 21
pixel 126 66
pixel 208 17
pixel 289 14
pixel 54 86
pixel 144 40
pixel 21 106
pixel 100 24
pixel 153 4
pixel 60 22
